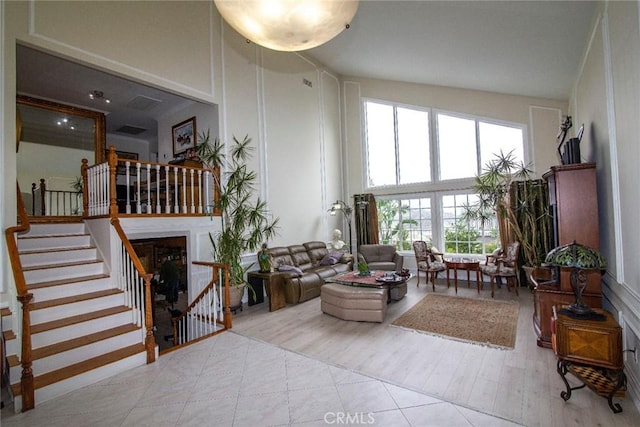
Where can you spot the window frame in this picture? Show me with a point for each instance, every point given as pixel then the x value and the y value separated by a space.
pixel 436 188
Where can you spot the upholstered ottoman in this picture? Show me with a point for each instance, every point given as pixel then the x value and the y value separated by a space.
pixel 353 303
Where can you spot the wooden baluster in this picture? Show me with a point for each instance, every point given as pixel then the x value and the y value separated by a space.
pixel 184 193
pixel 200 200
pixel 167 189
pixel 127 180
pixel 138 205
pixel 176 208
pixel 193 206
pixel 158 210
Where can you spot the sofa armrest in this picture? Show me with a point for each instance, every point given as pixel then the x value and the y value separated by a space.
pixel 399 260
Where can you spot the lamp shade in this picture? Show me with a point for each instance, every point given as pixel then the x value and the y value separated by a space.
pixel 288 25
pixel 577 256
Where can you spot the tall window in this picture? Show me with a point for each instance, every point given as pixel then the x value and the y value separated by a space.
pixel 404 149
pixel 403 221
pixel 397 145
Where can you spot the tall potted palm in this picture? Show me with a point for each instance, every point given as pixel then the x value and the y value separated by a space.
pixel 506 191
pixel 246 221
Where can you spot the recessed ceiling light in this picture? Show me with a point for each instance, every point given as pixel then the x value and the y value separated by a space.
pixel 98 94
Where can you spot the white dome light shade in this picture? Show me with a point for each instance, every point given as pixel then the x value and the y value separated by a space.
pixel 288 25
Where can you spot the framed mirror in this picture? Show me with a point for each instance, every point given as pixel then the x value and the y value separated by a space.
pixel 54 138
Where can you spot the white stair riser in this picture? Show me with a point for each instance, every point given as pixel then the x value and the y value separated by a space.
pixel 66 272
pixel 11 347
pixel 67 358
pixel 62 242
pixel 56 229
pixel 81 307
pixel 87 378
pixel 50 257
pixel 77 330
pixel 70 289
pixel 7 323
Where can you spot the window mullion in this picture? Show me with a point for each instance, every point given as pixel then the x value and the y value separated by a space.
pixel 396 141
pixel 478 156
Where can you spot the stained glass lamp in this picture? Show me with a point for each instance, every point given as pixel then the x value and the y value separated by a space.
pixel 579 258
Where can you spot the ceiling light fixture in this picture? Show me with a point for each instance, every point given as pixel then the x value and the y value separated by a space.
pixel 98 94
pixel 288 25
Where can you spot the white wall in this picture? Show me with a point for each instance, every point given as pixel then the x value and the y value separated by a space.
pixel 605 99
pixel 183 47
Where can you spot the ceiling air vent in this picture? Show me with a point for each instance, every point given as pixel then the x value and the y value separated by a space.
pixel 131 130
pixel 143 103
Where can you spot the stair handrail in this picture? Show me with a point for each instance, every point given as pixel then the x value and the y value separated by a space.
pixel 134 301
pixel 26 380
pixel 205 309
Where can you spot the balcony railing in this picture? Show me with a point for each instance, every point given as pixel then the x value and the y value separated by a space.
pixel 122 187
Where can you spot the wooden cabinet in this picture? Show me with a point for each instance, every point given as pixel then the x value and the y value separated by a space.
pixel 592 342
pixel 574 206
pixel 591 350
pixel 545 297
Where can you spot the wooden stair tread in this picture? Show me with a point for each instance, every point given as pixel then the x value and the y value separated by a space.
pixel 61 374
pixel 5 311
pixel 53 250
pixel 12 360
pixel 9 335
pixel 62 264
pixel 59 323
pixel 41 236
pixel 42 352
pixel 67 281
pixel 74 298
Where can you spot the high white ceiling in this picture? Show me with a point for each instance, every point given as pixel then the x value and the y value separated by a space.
pixel 515 47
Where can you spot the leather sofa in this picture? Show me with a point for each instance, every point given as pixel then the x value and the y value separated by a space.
pixel 305 268
pixel 380 257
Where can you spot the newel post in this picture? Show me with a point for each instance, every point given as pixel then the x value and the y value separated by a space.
pixel 26 381
pixel 113 165
pixel 85 188
pixel 149 342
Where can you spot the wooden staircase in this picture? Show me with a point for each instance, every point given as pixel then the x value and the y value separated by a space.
pixel 81 330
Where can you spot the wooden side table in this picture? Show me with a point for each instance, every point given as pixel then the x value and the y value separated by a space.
pixel 462 264
pixel 591 350
pixel 273 283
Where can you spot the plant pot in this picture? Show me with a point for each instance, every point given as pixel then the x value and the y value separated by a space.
pixel 235 296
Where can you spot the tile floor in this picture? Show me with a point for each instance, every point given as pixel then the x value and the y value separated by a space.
pixel 231 380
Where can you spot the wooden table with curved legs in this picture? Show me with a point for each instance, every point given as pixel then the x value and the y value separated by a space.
pixel 469 265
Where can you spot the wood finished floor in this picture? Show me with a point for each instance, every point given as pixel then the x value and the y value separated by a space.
pixel 521 385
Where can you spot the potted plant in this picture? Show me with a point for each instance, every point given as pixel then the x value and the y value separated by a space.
pixel 246 221
pixel 521 204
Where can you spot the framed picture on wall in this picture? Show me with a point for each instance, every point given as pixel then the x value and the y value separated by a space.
pixel 184 136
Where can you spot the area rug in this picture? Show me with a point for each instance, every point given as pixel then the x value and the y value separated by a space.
pixel 475 320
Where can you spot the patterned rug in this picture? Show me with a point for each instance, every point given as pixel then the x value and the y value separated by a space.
pixel 479 321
